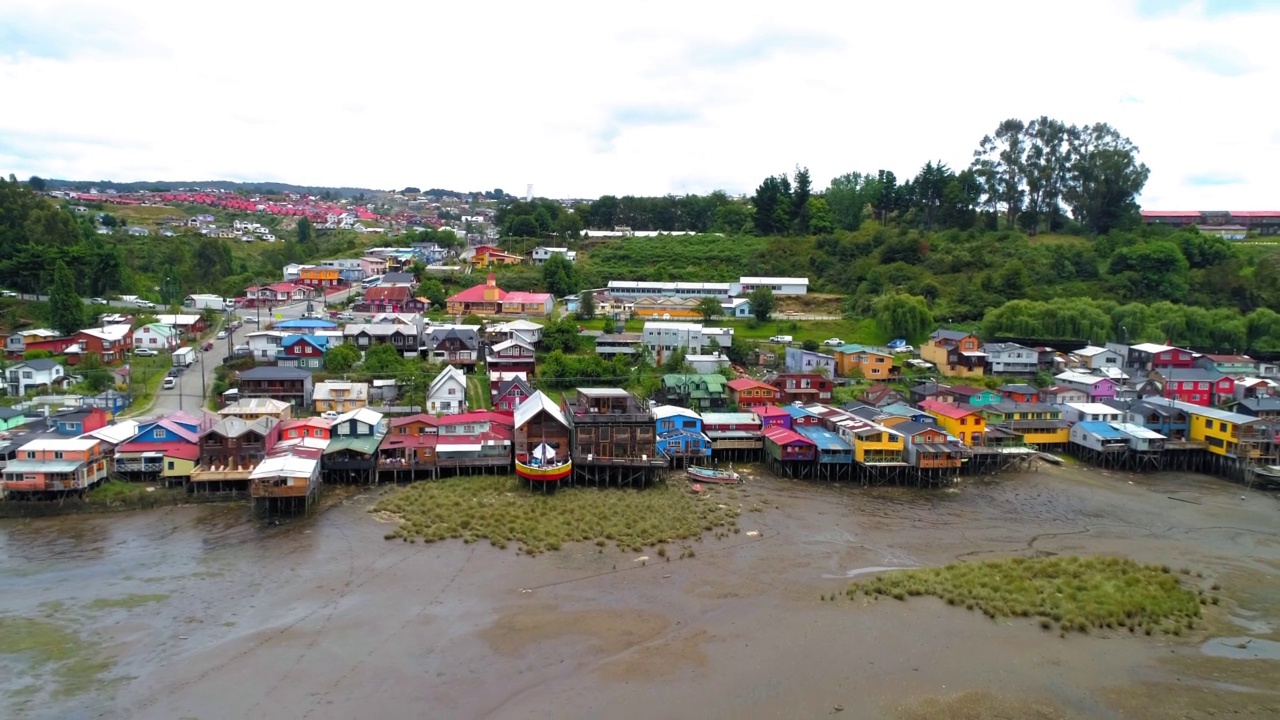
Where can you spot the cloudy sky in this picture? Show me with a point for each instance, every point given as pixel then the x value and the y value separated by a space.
pixel 586 98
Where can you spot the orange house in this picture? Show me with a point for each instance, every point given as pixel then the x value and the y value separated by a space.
pixel 748 393
pixel 56 465
pixel 317 276
pixel 872 364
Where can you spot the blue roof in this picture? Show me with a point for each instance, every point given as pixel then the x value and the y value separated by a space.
pixel 1101 429
pixel 316 341
pixel 306 323
pixel 825 439
pixel 797 412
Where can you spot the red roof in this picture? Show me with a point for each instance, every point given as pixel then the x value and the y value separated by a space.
pixel 946 409
pixel 305 422
pixel 527 298
pixel 783 436
pixel 420 417
pixel 478 416
pixel 413 440
pixel 181 450
pixel 398 292
pixel 769 411
pixel 476 294
pixel 285 287
pixel 741 384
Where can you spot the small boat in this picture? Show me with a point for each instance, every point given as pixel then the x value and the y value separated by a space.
pixel 713 475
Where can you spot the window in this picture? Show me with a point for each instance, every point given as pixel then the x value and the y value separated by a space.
pixel 169 465
pixel 158 433
pixel 1208 423
pixel 1222 426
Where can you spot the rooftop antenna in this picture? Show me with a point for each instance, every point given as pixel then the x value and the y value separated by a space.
pixel 528 192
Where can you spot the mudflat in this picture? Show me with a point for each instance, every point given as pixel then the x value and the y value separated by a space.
pixel 199 612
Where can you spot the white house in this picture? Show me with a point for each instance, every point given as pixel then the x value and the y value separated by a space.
pixel 1091 412
pixel 448 392
pixel 779 285
pixel 32 374
pixel 645 288
pixel 526 330
pixel 543 254
pixel 264 345
pixel 184 324
pixel 664 337
pixel 1005 358
pixel 1096 358
pixel 155 336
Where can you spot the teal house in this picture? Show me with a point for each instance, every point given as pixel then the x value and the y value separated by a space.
pixel 969 395
pixel 11 419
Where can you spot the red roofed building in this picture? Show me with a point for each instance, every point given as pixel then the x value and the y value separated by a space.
pixel 489 299
pixel 395 299
pixel 281 293
pixel 786 445
pixel 747 393
pixel 967 425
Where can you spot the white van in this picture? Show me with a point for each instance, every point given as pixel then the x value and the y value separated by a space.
pixel 781 339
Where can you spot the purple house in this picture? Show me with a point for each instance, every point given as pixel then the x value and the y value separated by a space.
pixel 772 416
pixel 1097 387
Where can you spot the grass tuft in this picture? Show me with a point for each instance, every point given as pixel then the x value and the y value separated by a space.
pixel 502 511
pixel 1078 594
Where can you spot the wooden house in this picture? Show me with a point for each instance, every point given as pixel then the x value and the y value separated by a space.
pixel 230 450
pixel 287 478
pixel 1237 366
pixel 879 395
pixel 340 396
pixel 456 345
pixel 1062 395
pixel 862 361
pixel 1019 393
pixel 303 428
pixel 1151 356
pixel 55 465
pixel 929 448
pixel 702 391
pixel 352 452
pixel 787 449
pixel 1100 441
pixel 250 409
pixel 973 396
pixel 1231 434
pixel 955 354
pixel 931 390
pixel 1266 408
pixel 1140 439
pixel 511 356
pixel 542 444
pixel 733 435
pixel 481 439
pixel 1097 387
pixel 746 393
pixel 509 394
pixel 800 387
pixel 409 446
pixel 303 351
pixel 679 434
pixel 1196 386
pixel 447 394
pixel 802 417
pixel 292 385
pixel 166 448
pixel 1040 424
pixel 965 424
pixel 614 436
pixel 772 416
pixel 1162 417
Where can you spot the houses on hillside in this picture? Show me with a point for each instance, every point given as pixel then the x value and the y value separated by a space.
pixel 490 300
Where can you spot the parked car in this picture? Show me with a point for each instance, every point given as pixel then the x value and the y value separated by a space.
pixel 347 316
pixel 144 303
pixel 169 383
pixel 329 414
pixel 781 339
pixel 174 371
pixel 904 349
pixel 312 316
pixel 833 342
pixel 98 301
pixel 207 346
pixel 252 319
pixel 9 294
pixel 222 334
pixel 145 352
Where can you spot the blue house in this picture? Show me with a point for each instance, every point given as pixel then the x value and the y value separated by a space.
pixel 831 447
pixel 167 447
pixel 913 414
pixel 800 360
pixel 737 307
pixel 303 351
pixel 679 433
pixel 1158 415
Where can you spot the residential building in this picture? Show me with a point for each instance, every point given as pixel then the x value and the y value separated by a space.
pixel 187 325
pixel 17 344
pixel 281 293
pixel 542 254
pixel 410 444
pixel 1247 388
pixel 1091 412
pixel 1195 385
pixel 448 392
pixel 489 299
pixel 698 391
pixel 732 431
pixel 929 448
pixel 487 255
pixel 250 409
pixel 664 338
pixel 1019 392
pixel 509 394
pixel 478 438
pixel 390 299
pixel 55 465
pixel 510 356
pixel 880 395
pixel 319 276
pixel 624 343
pixel 398 279
pixel 956 354
pixel 69 422
pixel 679 433
pixel 339 396
pixel 1006 358
pixel 1096 387
pixel 746 393
pixel 967 425
pixel 716 362
pixel 303 351
pixel 293 385
pixel 29 375
pixel 1162 417
pixel 526 331
pixel 804 387
pixel 542 440
pixel 611 427
pixel 1095 358
pixel 809 361
pixel 788 447
pixel 1061 395
pixel 778 285
pixel 265 345
pixel 457 345
pixel 802 416
pixel 1150 356
pixel 11 420
pixel 404 338
pixel 305 325
pixel 110 343
pixel 739 307
pixel 231 449
pixel 772 416
pixel 1099 437
pixel 167 447
pixel 155 336
pixel 1037 423
pixel 352 452
pixel 931 390
pixel 314 429
pixel 874 364
pixel 974 396
pixel 1266 408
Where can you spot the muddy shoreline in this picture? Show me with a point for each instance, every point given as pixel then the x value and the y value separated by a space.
pixel 196 611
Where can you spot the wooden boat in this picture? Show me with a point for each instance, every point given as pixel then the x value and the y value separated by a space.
pixel 544 473
pixel 713 475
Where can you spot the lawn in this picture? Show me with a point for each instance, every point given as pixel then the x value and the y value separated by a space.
pixel 139 214
pixel 865 331
pixel 148 373
pixel 477 392
pixel 1070 593
pixel 503 510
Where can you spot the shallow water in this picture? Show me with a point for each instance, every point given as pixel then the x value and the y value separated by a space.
pixel 1242 648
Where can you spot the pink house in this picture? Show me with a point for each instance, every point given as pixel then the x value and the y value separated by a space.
pixel 1097 387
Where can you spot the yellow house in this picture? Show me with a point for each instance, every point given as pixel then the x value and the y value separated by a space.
pixel 956 354
pixel 874 443
pixel 1037 423
pixel 1226 433
pixel 319 276
pixel 340 397
pixel 664 308
pixel 176 466
pixel 873 364
pixel 967 425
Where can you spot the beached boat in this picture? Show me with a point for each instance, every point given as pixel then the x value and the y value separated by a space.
pixel 544 473
pixel 713 475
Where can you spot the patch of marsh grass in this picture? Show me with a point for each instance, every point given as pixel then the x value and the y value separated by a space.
pixel 1079 594
pixel 503 511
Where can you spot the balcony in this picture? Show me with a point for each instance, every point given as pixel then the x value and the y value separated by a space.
pixel 481 461
pixel 220 473
pixel 655 460
pixel 365 463
pixel 139 466
pixel 280 489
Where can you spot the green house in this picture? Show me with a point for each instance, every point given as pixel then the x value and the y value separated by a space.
pixel 699 391
pixel 11 419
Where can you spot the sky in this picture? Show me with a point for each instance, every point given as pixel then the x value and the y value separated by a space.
pixel 582 99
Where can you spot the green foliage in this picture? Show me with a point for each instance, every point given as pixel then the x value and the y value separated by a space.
pixel 341 358
pixel 904 316
pixel 382 359
pixel 586 305
pixel 561 335
pixel 1079 594
pixel 502 511
pixel 37 355
pixel 559 370
pixel 810 344
pixel 559 276
pixel 709 308
pixel 762 303
pixel 306 231
pixel 433 290
pixel 66 309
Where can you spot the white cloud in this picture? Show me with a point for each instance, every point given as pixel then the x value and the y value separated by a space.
pixel 583 99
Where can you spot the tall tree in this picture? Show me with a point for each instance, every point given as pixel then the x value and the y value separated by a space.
pixel 848 198
pixel 1105 178
pixel 306 232
pixel 1046 166
pixel 929 191
pixel 66 309
pixel 586 305
pixel 559 276
pixel 762 303
pixel 888 197
pixel 800 201
pixel 708 308
pixel 904 316
pixel 772 203
pixel 1000 162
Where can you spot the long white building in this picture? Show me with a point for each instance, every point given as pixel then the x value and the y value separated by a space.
pixel 663 337
pixel 720 291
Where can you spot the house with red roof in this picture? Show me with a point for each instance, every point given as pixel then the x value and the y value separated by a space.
pixel 489 299
pixel 409 445
pixel 281 293
pixel 772 416
pixel 747 393
pixel 788 446
pixel 394 299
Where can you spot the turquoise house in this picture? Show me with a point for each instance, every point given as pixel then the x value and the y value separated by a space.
pixel 11 419
pixel 967 394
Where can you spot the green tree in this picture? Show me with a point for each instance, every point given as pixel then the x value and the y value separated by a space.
pixel 762 303
pixel 1000 163
pixel 36 183
pixel 586 305
pixel 810 344
pixel 433 290
pixel 709 308
pixel 559 276
pixel 904 316
pixel 306 232
pixel 561 335
pixel 820 222
pixel 1105 178
pixel 66 309
pixel 800 197
pixel 523 226
pixel 848 198
pixel 569 225
pixel 382 359
pixel 341 358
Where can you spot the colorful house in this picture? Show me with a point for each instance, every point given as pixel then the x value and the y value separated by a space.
pixel 832 450
pixel 969 395
pixel 1196 386
pixel 871 363
pixel 542 447
pixel 967 425
pixel 702 391
pixel 166 448
pixel 475 439
pixel 1227 433
pixel 733 431
pixel 305 428
pixel 319 276
pixel 1151 356
pixel 110 343
pixel 929 448
pixel 303 351
pixel 410 444
pixel 250 409
pixel 802 417
pixel 1035 423
pixel 447 394
pixel 340 396
pixel 509 394
pixel 11 419
pixel 55 465
pixel 1234 365
pixel 230 450
pixel 352 452
pixel 155 336
pixel 772 416
pixel 511 356
pixel 1063 395
pixel 803 387
pixel 956 354
pixel 489 299
pixel 679 433
pixel 1096 387
pixel 799 360
pixel 788 448
pixel 746 393
pixel 1019 392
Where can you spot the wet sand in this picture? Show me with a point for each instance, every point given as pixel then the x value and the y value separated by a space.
pixel 208 615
